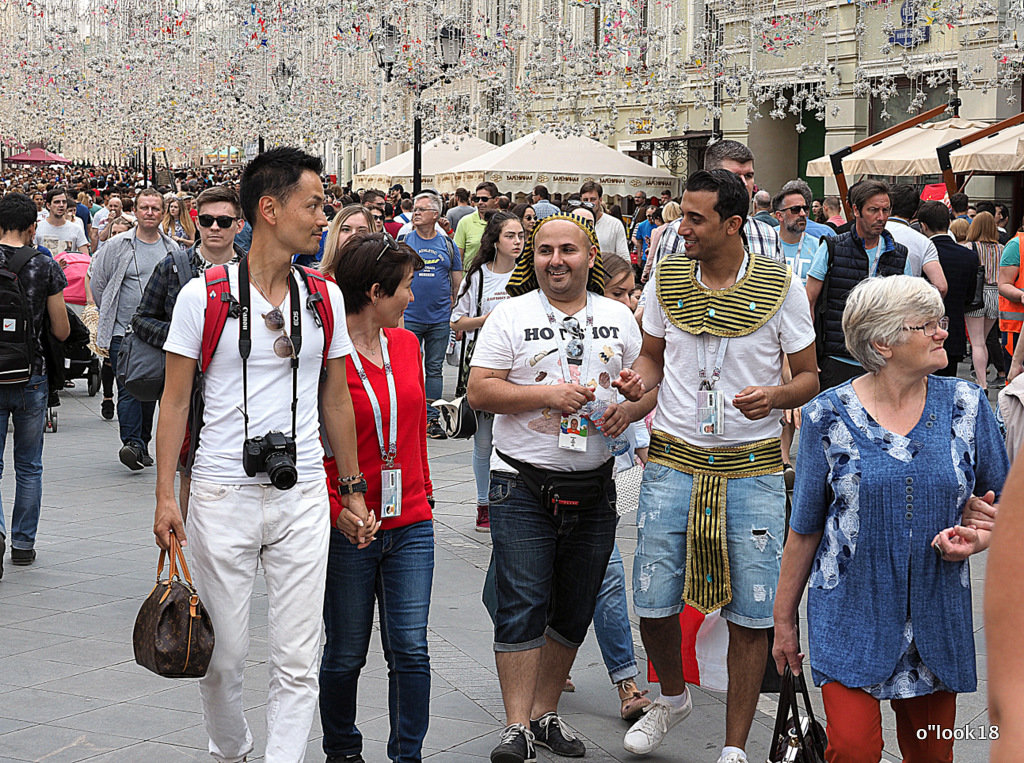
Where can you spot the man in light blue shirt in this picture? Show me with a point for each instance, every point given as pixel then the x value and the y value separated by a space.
pixel 542 205
pixel 797 245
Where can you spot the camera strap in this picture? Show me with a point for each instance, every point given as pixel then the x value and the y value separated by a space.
pixel 245 340
pixel 387 455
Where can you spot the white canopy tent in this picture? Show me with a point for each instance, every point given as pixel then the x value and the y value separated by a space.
pixel 909 153
pixel 1001 152
pixel 560 164
pixel 439 154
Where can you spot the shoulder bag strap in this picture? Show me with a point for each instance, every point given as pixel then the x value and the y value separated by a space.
pixel 219 302
pixel 20 257
pixel 182 265
pixel 319 301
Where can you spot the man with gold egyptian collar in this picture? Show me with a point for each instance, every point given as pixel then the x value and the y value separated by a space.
pixel 718 323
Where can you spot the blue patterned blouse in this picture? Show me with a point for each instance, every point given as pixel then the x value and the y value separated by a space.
pixel 884 612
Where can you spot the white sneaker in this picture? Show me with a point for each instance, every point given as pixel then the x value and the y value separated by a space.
pixel 733 757
pixel 659 716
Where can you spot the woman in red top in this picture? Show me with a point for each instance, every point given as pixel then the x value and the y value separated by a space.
pixel 385 378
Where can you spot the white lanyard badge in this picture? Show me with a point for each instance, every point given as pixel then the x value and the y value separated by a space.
pixel 575 348
pixel 387 454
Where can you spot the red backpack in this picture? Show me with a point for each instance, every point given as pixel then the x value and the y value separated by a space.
pixel 221 304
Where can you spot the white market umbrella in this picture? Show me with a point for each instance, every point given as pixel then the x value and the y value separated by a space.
pixel 560 164
pixel 439 155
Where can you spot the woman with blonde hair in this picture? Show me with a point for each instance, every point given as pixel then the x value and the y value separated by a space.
pixel 177 223
pixel 958 229
pixel 983 239
pixel 350 220
pixel 669 212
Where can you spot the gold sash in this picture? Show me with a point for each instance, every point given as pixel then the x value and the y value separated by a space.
pixel 741 309
pixel 708 583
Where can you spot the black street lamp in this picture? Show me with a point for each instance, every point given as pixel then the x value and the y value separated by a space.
pixel 387 44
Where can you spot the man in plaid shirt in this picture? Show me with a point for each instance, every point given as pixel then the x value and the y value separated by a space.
pixel 761 238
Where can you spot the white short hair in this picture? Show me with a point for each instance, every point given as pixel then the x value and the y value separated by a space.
pixel 433 198
pixel 877 309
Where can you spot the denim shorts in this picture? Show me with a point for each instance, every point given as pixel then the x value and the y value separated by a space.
pixel 548 568
pixel 755 519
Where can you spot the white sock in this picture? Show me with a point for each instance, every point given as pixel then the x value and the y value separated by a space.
pixel 676 701
pixel 737 750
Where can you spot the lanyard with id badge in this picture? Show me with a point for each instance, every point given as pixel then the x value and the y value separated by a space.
pixel 710 401
pixel 574 428
pixel 390 473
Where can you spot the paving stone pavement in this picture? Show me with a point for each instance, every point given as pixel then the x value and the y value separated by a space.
pixel 71 691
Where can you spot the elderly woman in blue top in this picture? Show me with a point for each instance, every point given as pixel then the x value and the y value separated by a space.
pixel 888 465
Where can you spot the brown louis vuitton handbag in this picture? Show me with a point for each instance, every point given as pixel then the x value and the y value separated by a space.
pixel 173 634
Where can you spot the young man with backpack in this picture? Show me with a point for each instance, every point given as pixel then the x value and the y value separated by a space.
pixel 265 339
pixel 219 220
pixel 31 302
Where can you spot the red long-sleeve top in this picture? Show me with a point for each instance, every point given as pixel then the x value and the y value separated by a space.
pixel 407 367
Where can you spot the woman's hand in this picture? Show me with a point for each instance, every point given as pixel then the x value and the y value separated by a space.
pixel 980 512
pixel 954 544
pixel 786 649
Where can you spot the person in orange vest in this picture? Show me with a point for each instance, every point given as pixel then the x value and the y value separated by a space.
pixel 1011 291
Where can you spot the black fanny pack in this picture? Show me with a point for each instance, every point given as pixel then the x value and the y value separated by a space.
pixel 565 491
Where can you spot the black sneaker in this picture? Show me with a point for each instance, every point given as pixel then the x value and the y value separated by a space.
pixel 550 731
pixel 23 557
pixel 435 431
pixel 357 758
pixel 516 746
pixel 146 460
pixel 3 548
pixel 107 409
pixel 131 456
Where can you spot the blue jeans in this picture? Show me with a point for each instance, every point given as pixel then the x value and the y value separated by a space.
pixel 611 622
pixel 134 417
pixel 397 571
pixel 434 341
pixel 26 407
pixel 548 567
pixel 482 455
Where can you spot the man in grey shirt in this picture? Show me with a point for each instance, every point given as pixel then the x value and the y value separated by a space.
pixel 462 209
pixel 120 274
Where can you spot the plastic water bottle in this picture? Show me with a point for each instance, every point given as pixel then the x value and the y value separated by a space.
pixel 594 410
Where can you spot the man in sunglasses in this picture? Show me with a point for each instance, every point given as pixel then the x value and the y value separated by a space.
pixel 471 227
pixel 120 274
pixel 220 220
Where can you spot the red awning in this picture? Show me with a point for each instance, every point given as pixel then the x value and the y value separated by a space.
pixel 38 156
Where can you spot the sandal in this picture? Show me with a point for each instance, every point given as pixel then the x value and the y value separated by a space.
pixel 633 700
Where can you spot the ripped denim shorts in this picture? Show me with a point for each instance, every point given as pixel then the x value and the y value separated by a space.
pixel 755 525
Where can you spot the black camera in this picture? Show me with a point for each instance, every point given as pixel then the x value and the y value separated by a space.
pixel 274 453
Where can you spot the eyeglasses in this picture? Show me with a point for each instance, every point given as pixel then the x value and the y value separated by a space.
pixel 795 209
pixel 283 347
pixel 576 204
pixel 931 327
pixel 481 198
pixel 378 217
pixel 223 221
pixel 424 210
pixel 389 243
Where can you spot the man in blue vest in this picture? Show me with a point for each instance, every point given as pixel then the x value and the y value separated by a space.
pixel 866 250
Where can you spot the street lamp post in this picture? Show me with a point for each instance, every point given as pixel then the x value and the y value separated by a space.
pixel 387 46
pixel 283 77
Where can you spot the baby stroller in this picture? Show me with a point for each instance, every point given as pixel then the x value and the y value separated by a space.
pixel 70 359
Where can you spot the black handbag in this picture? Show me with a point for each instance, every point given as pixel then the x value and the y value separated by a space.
pixel 796 738
pixel 976 293
pixel 457 419
pixel 141 368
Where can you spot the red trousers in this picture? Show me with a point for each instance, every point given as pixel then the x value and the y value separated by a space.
pixel 855 726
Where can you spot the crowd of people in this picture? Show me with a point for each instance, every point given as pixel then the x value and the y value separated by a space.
pixel 693 344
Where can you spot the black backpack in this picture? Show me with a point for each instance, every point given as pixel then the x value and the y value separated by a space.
pixel 17 334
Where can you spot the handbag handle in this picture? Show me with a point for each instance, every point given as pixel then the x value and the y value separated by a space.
pixel 177 556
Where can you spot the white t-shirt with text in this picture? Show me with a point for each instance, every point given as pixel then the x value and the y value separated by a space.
pixel 493 294
pixel 519 338
pixel 219 458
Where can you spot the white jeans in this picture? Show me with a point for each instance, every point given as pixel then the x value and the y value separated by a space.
pixel 230 527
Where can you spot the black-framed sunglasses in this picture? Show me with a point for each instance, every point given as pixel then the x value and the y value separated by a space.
pixel 796 209
pixel 930 328
pixel 223 221
pixel 274 320
pixel 388 243
pixel 478 199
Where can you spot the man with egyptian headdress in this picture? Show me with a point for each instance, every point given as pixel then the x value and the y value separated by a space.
pixel 719 322
pixel 544 363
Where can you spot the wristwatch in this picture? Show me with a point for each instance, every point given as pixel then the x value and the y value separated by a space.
pixel 359 486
